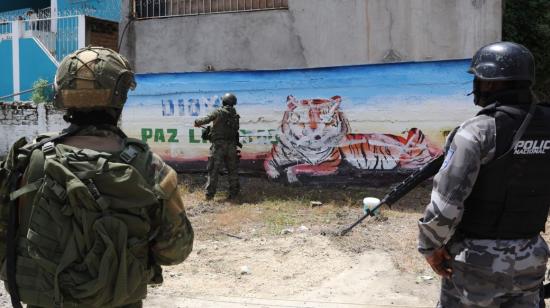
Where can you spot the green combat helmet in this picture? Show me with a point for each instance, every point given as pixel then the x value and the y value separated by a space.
pixel 93 78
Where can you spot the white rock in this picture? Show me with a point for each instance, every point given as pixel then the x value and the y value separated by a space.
pixel 287 231
pixel 424 278
pixel 245 270
pixel 303 229
pixel 315 203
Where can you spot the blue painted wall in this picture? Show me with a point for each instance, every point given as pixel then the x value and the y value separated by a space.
pixel 36 65
pixel 6 66
pixel 361 84
pixel 104 9
pixel 68 42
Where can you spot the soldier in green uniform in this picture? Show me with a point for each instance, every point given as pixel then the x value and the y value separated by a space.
pixel 225 139
pixel 88 215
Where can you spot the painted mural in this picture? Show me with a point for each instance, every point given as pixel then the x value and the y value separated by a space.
pixel 367 124
pixel 315 139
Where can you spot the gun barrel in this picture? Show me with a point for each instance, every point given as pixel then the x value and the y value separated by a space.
pixel 358 221
pixel 429 170
pixel 413 180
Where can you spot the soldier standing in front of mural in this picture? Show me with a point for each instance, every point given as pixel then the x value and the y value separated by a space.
pixel 481 230
pixel 224 137
pixel 89 215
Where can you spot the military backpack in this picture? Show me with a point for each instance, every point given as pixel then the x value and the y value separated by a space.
pixel 85 240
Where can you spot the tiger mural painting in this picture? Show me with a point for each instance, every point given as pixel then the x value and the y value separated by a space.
pixel 315 139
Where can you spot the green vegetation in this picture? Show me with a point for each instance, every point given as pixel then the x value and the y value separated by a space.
pixel 528 23
pixel 42 92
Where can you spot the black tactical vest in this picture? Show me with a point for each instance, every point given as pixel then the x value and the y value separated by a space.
pixel 511 196
pixel 226 125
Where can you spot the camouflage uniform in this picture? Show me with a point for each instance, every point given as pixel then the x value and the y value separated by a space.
pixel 486 273
pixel 71 246
pixel 224 139
pixel 174 241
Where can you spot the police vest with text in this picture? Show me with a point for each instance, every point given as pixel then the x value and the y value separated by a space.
pixel 511 196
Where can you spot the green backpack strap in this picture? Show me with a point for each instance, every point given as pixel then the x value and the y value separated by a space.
pixel 16 165
pixel 131 150
pixel 138 154
pixel 47 146
pixel 26 189
pixel 8 167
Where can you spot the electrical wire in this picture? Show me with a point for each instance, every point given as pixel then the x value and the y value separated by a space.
pixel 131 19
pixel 23 92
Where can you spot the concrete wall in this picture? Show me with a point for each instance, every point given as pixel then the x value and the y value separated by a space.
pixel 313 33
pixel 26 120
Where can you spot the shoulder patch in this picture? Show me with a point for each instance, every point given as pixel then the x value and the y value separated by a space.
pixel 448 157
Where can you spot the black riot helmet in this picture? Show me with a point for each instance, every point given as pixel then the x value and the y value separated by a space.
pixel 228 99
pixel 504 72
pixel 503 61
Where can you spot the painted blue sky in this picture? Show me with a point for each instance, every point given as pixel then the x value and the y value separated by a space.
pixel 364 84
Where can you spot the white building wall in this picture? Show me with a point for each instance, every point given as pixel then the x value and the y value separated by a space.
pixel 314 33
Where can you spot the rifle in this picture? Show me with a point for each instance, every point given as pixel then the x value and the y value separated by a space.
pixel 238 141
pixel 206 133
pixel 429 170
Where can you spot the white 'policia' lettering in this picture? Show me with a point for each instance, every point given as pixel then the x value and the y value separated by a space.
pixel 530 147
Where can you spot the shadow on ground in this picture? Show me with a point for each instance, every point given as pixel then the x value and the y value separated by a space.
pixel 257 189
pixel 267 208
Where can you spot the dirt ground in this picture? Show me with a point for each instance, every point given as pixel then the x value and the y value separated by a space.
pixel 271 248
pixel 267 249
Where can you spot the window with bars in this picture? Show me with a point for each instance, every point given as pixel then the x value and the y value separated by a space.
pixel 166 8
